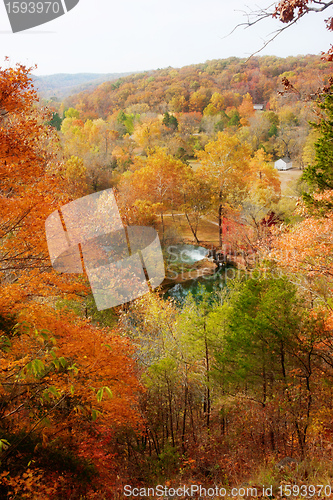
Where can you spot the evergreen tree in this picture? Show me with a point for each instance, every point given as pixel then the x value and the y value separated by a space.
pixel 173 122
pixel 170 121
pixel 319 176
pixel 55 121
pixel 166 119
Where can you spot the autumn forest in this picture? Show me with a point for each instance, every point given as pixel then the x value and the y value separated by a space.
pixel 222 376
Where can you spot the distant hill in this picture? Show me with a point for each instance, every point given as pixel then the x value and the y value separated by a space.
pixel 62 85
pixel 192 88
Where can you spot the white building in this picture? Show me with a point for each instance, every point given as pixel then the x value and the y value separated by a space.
pixel 283 163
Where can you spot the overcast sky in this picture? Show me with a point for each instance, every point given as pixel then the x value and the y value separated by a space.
pixel 104 36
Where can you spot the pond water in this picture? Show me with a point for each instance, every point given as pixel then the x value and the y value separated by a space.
pixel 212 284
pixel 179 259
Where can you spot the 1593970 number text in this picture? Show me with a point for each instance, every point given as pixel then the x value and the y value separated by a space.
pixel 33 7
pixel 311 490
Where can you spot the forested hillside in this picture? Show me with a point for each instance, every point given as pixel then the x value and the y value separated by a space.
pixel 227 386
pixel 62 85
pixel 107 130
pixel 190 89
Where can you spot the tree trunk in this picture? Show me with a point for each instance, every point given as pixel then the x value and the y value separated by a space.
pixel 184 418
pixel 162 220
pixel 208 403
pixel 192 419
pixel 170 413
pixel 194 231
pixel 220 220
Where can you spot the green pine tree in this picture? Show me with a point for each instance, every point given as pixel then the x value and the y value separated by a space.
pixel 319 176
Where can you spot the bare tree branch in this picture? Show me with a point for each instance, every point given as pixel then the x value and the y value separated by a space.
pixel 287 12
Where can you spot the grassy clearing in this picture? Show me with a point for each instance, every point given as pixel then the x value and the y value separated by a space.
pixel 195 164
pixel 287 178
pixel 177 228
